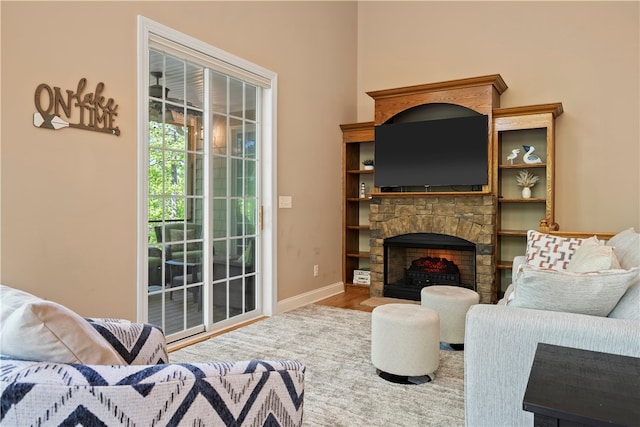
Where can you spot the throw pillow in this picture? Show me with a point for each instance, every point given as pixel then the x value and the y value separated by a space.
pixel 595 294
pixel 35 329
pixel 591 256
pixel 626 246
pixel 548 251
pixel 629 305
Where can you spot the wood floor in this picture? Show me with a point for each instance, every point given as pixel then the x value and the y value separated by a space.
pixel 351 298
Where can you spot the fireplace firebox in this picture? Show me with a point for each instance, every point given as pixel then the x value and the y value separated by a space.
pixel 413 261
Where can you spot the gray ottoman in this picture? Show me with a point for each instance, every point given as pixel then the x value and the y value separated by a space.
pixel 405 342
pixel 452 304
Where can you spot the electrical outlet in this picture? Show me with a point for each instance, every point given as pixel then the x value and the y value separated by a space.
pixel 315 270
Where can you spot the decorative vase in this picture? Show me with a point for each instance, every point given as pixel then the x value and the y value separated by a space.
pixel 526 192
pixel 368 167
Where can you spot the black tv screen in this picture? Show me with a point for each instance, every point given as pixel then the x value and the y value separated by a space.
pixel 445 152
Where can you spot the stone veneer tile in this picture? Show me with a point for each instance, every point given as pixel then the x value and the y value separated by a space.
pixel 405 210
pixel 444 209
pixel 438 223
pixel 451 226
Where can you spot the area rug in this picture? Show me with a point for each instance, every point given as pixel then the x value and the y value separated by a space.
pixel 377 301
pixel 341 385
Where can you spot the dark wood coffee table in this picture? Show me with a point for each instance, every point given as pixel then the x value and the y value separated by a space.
pixel 573 387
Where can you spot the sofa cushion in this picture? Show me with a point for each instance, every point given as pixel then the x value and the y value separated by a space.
pixel 626 246
pixel 593 294
pixel 35 329
pixel 548 251
pixel 591 256
pixel 629 305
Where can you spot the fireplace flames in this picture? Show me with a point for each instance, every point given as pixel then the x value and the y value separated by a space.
pixel 429 271
pixel 434 265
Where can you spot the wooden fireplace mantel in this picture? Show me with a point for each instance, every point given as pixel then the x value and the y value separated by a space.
pixel 481 94
pixel 430 194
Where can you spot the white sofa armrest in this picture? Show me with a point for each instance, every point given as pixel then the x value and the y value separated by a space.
pixel 500 343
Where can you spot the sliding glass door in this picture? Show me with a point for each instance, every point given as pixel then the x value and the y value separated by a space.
pixel 203 198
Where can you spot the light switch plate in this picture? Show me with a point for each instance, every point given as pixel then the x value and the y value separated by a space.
pixel 284 202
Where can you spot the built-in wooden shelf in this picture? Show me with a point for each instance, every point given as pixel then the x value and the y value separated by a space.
pixel 504 265
pixel 357 146
pixel 512 233
pixel 358 255
pixel 523 166
pixel 555 108
pixel 521 200
pixel 361 171
pixel 358 227
pixel 510 128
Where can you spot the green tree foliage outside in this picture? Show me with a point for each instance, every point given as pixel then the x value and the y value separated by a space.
pixel 167 173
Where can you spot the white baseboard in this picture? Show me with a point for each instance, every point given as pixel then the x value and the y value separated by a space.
pixel 310 297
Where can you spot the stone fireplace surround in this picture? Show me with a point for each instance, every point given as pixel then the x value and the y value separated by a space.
pixel 471 216
pixel 467 216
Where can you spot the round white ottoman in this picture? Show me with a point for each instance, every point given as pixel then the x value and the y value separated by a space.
pixel 405 341
pixel 452 304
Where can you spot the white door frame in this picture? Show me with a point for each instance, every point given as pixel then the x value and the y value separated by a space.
pixel 269 273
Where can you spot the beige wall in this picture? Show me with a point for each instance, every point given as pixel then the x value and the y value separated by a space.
pixel 69 196
pixel 583 54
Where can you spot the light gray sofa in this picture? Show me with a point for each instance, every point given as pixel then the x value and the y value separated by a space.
pixel 501 340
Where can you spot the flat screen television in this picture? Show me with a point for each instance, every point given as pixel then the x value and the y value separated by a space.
pixel 443 152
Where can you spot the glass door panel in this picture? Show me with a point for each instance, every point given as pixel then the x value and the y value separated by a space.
pixel 175 196
pixel 235 198
pixel 203 196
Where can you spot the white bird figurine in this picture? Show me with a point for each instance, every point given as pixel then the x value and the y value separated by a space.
pixel 529 157
pixel 513 155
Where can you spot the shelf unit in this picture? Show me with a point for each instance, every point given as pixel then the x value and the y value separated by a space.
pixel 509 128
pixel 512 128
pixel 357 146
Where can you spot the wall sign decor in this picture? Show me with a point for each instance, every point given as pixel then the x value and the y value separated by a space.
pixel 96 112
